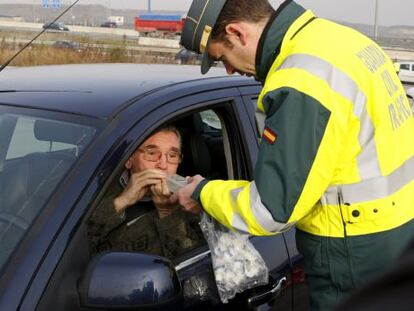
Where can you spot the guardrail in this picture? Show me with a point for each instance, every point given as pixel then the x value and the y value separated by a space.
pixel 121 32
pixel 131 50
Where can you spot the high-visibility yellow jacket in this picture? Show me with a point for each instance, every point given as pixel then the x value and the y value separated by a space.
pixel 337 153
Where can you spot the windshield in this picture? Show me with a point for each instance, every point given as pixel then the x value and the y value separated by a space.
pixel 35 155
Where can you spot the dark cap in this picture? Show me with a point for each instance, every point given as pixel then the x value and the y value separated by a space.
pixel 198 26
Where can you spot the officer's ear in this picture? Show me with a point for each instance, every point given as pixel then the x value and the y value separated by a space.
pixel 237 31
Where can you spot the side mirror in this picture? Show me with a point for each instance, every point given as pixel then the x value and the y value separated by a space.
pixel 121 280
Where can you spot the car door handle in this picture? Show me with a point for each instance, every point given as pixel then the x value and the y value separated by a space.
pixel 267 296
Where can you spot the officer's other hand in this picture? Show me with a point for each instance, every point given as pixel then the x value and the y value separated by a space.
pixel 139 184
pixel 184 195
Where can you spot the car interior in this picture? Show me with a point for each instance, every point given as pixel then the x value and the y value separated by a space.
pixel 28 177
pixel 202 146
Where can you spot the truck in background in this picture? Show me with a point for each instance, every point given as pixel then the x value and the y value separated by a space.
pixel 159 25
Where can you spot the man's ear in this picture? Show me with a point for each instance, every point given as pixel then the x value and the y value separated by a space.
pixel 237 31
pixel 128 164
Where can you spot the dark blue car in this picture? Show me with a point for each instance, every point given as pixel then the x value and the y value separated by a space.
pixel 66 132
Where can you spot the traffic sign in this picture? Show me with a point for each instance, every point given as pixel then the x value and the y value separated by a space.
pixel 56 4
pixel 51 4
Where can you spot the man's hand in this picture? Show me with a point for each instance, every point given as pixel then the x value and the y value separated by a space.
pixel 161 194
pixel 184 195
pixel 137 187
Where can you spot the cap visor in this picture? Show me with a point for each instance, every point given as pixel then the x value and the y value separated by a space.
pixel 206 63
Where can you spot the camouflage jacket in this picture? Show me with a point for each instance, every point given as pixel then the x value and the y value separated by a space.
pixel 141 230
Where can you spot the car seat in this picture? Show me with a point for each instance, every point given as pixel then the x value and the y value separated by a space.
pixel 27 183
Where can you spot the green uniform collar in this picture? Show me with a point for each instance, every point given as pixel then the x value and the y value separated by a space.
pixel 271 39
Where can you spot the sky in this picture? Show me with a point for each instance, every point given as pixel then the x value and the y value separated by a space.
pixel 395 12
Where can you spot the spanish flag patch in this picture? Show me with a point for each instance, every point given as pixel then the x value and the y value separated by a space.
pixel 269 135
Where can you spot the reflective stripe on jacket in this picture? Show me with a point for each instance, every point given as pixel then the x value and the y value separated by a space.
pixel 341 141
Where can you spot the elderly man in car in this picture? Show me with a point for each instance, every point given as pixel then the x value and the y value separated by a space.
pixel 141 216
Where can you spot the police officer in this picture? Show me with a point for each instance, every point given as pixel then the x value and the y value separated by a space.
pixel 336 157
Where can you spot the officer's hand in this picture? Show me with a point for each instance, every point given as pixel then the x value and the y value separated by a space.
pixel 137 187
pixel 184 195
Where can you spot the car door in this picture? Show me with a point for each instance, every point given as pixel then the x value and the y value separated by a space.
pixel 240 144
pixel 296 278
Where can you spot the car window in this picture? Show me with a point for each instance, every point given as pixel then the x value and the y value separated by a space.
pixel 23 141
pixel 35 154
pixel 177 236
pixel 211 147
pixel 139 229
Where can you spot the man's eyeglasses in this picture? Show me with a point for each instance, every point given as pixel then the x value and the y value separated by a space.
pixel 155 154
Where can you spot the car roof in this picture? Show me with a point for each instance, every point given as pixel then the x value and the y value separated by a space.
pixel 95 90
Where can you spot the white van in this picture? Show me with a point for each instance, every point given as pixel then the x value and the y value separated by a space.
pixel 406 73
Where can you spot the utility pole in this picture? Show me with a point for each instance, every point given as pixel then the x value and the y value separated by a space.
pixel 149 6
pixel 109 10
pixel 376 21
pixel 73 16
pixel 33 11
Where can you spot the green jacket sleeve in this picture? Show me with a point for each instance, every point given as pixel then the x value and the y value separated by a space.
pixel 283 166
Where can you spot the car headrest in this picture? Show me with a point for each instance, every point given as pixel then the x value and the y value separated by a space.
pixel 198 124
pixel 60 132
pixel 194 147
